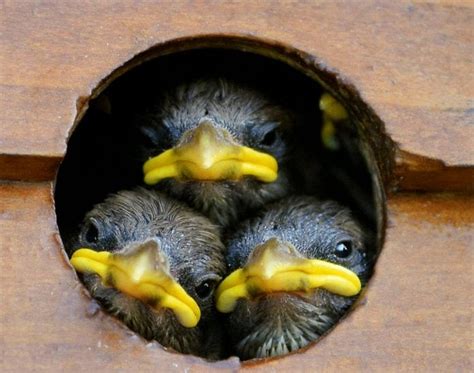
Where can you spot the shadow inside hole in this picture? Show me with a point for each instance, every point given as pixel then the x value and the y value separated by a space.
pixel 101 157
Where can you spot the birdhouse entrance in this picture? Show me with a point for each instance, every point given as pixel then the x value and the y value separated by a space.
pixel 333 146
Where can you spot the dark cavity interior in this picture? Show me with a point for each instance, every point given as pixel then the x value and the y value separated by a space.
pixel 100 149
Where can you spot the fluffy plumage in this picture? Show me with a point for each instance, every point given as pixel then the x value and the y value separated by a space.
pixel 252 119
pixel 277 323
pixel 191 245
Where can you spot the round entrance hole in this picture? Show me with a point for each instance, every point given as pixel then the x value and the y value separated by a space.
pixel 347 160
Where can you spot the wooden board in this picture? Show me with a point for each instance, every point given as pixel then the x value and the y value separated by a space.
pixel 415 315
pixel 412 62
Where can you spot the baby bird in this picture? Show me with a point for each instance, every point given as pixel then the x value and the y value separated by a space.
pixel 218 145
pixel 295 271
pixel 154 263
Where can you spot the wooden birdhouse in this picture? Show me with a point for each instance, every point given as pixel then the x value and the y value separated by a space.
pixel 403 72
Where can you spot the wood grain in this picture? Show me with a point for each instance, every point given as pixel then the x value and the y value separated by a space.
pixel 411 62
pixel 416 173
pixel 44 318
pixel 416 314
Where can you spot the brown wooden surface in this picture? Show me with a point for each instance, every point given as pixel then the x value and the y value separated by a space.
pixel 417 173
pixel 44 309
pixel 412 62
pixel 416 313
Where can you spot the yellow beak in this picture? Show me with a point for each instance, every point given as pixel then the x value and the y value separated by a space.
pixel 143 274
pixel 332 109
pixel 208 153
pixel 333 112
pixel 277 266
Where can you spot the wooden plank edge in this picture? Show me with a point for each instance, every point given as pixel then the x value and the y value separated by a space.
pixel 19 167
pixel 415 173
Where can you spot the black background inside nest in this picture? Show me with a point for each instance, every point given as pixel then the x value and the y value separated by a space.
pixel 99 160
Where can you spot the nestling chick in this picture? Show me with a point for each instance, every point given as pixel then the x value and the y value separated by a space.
pixel 154 263
pixel 218 145
pixel 296 270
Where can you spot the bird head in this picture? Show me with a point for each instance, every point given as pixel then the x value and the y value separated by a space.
pixel 219 145
pixel 154 263
pixel 295 270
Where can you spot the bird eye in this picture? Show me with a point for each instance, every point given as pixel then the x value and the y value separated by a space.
pixel 269 138
pixel 92 233
pixel 205 288
pixel 343 249
pixel 155 136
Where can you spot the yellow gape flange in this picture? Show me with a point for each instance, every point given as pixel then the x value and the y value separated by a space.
pixel 207 153
pixel 277 266
pixel 140 276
